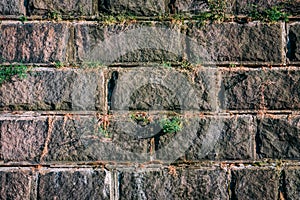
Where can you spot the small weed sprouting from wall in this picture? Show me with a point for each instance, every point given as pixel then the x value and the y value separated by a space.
pixel 141 118
pixel 104 133
pixel 8 72
pixel 23 19
pixel 102 127
pixel 54 15
pixel 272 14
pixel 58 64
pixel 171 125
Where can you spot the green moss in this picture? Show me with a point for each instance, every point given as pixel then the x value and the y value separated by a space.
pixel 272 14
pixel 8 72
pixel 58 64
pixel 23 18
pixel 104 132
pixel 171 125
pixel 55 15
pixel 166 64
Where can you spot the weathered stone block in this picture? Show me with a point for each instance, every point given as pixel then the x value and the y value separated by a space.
pixel 223 138
pixel 70 7
pixel 248 6
pixel 153 88
pixel 292 183
pixel 133 7
pixel 34 42
pixel 15 184
pixel 257 89
pixel 170 147
pixel 187 183
pixel 12 7
pixel 278 137
pixel 200 6
pixel 129 42
pixel 231 42
pixel 22 139
pixel 293 45
pixel 190 6
pixel 47 89
pixel 74 184
pixel 242 90
pixel 254 184
pixel 83 139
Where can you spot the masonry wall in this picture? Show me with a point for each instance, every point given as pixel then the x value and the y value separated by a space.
pixel 102 76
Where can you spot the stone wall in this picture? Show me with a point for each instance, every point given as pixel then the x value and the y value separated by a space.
pixel 94 115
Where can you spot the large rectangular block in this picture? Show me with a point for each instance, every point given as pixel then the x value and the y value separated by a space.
pixel 133 7
pixel 254 184
pixel 12 7
pixel 85 139
pixel 250 6
pixel 231 42
pixel 70 7
pixel 201 6
pixel 49 89
pixel 158 88
pixel 278 137
pixel 223 138
pixel 128 42
pixel 181 184
pixel 23 138
pixel 273 89
pixel 293 43
pixel 33 42
pixel 72 138
pixel 74 184
pixel 15 184
pixel 292 183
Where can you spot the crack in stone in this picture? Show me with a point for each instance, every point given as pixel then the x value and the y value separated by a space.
pixel 50 129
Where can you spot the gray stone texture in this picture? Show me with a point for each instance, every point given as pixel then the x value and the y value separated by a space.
pixel 81 139
pixel 292 183
pixel 69 7
pixel 22 139
pixel 223 138
pixel 128 42
pixel 186 183
pixel 293 43
pixel 238 7
pixel 254 184
pixel 74 184
pixel 33 42
pixel 47 89
pixel 246 7
pixel 252 42
pixel 15 184
pixel 12 7
pixel 201 6
pixel 132 7
pixel 278 137
pixel 152 88
pixel 260 89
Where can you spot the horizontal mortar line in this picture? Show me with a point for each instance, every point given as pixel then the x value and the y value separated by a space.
pixel 261 68
pixel 225 66
pixel 45 113
pixel 185 16
pixel 262 163
pixel 259 112
pixel 47 65
pixel 234 64
pixel 208 64
pixel 16 114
